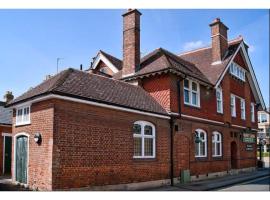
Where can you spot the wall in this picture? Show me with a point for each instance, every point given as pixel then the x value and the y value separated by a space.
pixel 40 156
pixel 94 146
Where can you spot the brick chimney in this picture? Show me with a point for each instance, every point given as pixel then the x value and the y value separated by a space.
pixel 219 40
pixel 131 42
pixel 8 96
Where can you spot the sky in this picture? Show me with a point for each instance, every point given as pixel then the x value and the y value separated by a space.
pixel 32 40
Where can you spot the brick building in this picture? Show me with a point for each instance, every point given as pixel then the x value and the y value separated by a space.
pixel 5 135
pixel 140 122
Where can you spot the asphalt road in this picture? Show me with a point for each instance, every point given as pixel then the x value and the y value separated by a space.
pixel 259 184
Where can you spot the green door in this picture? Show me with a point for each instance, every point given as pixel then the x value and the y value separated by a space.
pixel 21 159
pixel 7 166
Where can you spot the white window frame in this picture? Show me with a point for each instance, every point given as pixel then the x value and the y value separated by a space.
pixel 142 136
pixel 219 90
pixel 190 91
pixel 243 108
pixel 233 114
pixel 22 121
pixel 215 142
pixel 238 71
pixel 205 141
pixel 252 112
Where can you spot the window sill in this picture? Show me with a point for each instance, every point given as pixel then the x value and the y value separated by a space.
pixel 217 157
pixel 23 124
pixel 220 113
pixel 192 106
pixel 144 159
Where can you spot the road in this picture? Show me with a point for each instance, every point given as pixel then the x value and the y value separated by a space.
pixel 259 184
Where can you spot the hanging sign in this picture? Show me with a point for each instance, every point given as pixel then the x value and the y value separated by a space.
pixel 249 138
pixel 249 147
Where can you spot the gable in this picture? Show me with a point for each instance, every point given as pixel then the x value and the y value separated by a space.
pixel 100 57
pixel 251 77
pixel 240 60
pixel 103 68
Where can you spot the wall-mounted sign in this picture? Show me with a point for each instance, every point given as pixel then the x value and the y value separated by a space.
pixel 249 147
pixel 249 137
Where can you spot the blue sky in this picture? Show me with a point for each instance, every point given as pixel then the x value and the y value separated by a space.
pixel 32 40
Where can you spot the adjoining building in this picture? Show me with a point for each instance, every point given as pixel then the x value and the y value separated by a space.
pixel 264 130
pixel 140 122
pixel 5 135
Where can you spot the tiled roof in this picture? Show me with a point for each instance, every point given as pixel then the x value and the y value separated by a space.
pixel 5 114
pixel 161 59
pixel 202 59
pixel 92 87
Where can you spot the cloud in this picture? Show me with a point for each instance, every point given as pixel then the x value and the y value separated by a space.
pixel 251 48
pixel 193 45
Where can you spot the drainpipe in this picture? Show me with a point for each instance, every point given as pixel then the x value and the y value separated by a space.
pixel 171 151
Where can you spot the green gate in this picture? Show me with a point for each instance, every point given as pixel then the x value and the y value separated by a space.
pixel 21 159
pixel 8 145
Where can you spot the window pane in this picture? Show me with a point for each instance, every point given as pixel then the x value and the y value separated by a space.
pixel 137 129
pixel 218 149
pixel 137 146
pixel 186 96
pixel 186 83
pixel 148 130
pixel 148 146
pixel 213 148
pixel 219 106
pixel 194 98
pixel 197 149
pixel 202 148
pixel 194 86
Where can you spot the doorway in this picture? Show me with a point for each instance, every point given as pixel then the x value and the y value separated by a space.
pixel 7 154
pixel 21 158
pixel 233 155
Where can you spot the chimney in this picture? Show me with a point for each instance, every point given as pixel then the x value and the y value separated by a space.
pixel 219 40
pixel 8 96
pixel 131 42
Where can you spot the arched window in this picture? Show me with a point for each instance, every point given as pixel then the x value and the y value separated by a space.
pixel 144 139
pixel 200 143
pixel 216 144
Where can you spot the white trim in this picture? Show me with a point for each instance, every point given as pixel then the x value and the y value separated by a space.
pixel 7 134
pixel 219 89
pixel 189 89
pixel 242 101
pixel 233 114
pixel 237 126
pixel 214 142
pixel 23 115
pixel 142 136
pixel 252 112
pixel 205 141
pixel 216 62
pixel 202 119
pixel 55 96
pixel 253 77
pixel 101 57
pixel 4 145
pixel 126 75
pixel 14 154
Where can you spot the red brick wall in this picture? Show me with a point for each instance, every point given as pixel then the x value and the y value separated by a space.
pixel 185 149
pixel 40 156
pixel 3 129
pixel 94 146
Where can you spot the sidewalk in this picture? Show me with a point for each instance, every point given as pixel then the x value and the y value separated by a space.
pixel 216 183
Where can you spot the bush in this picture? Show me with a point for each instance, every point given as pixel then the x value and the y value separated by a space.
pixel 264 154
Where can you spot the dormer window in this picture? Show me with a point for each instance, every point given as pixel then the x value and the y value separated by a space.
pixel 237 71
pixel 191 93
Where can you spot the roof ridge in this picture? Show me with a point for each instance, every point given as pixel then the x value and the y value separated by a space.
pixel 209 46
pixel 61 79
pixel 107 54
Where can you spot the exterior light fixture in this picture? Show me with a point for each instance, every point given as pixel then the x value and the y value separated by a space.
pixel 37 138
